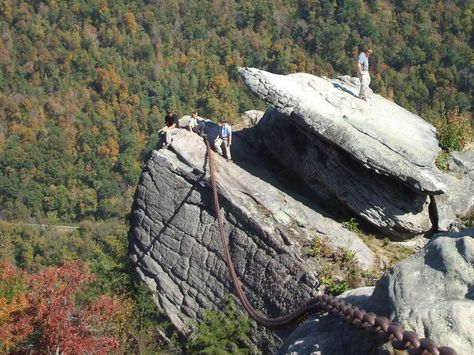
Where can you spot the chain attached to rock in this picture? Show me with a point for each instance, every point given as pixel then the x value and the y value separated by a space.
pixel 368 321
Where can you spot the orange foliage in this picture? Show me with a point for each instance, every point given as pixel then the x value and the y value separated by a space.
pixel 111 84
pixel 7 10
pixel 55 105
pixel 27 134
pixel 131 22
pixel 279 47
pixel 114 147
pixel 111 149
pixel 101 107
pixel 134 100
pixel 103 6
pixel 12 298
pixel 43 55
pixel 94 130
pixel 220 81
pixel 182 59
pixel 42 316
pixel 4 53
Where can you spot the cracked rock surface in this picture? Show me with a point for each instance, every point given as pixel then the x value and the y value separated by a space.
pixel 375 157
pixel 174 243
pixel 381 135
pixel 430 293
pixel 381 200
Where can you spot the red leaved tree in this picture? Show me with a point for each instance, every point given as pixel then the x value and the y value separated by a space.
pixel 51 323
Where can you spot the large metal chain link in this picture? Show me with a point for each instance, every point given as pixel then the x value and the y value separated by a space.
pixel 368 321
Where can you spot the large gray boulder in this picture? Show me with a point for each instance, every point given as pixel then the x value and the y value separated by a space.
pixel 381 135
pixel 461 162
pixel 375 157
pixel 456 203
pixel 459 200
pixel 381 200
pixel 430 293
pixel 174 241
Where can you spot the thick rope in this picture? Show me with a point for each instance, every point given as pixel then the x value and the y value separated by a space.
pixel 370 322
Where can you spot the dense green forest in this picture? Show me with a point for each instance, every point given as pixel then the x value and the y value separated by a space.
pixel 84 83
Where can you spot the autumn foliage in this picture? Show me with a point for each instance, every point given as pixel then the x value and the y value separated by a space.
pixel 38 314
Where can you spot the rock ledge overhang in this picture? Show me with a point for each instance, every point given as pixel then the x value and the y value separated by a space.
pixel 380 134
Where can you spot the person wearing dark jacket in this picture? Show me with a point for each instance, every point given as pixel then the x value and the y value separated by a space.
pixel 170 129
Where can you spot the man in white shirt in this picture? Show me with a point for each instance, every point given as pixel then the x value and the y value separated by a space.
pixel 195 125
pixel 363 72
pixel 225 136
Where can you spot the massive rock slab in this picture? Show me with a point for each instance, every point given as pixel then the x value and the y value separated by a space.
pixel 174 242
pixel 431 293
pixel 375 157
pixel 330 171
pixel 381 135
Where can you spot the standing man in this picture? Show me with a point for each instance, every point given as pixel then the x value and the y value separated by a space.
pixel 225 136
pixel 171 128
pixel 363 72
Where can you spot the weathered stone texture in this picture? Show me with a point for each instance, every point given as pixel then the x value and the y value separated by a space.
pixel 431 293
pixel 175 245
pixel 379 134
pixel 375 157
pixel 379 199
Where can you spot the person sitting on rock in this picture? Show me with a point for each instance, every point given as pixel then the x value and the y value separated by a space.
pixel 224 136
pixel 171 128
pixel 195 125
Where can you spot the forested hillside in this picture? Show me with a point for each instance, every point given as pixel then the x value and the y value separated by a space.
pixel 84 83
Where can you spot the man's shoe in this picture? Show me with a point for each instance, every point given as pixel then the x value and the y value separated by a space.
pixel 165 146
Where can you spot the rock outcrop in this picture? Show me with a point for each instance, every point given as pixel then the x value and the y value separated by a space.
pixel 381 200
pixel 461 162
pixel 456 203
pixel 460 197
pixel 375 157
pixel 431 293
pixel 174 240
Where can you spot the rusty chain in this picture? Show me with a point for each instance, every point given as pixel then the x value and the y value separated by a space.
pixel 368 321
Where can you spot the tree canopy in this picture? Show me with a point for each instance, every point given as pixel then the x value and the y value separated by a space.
pixel 84 82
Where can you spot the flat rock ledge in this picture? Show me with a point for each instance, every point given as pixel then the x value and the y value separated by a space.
pixel 174 243
pixel 331 173
pixel 431 293
pixel 381 135
pixel 375 157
